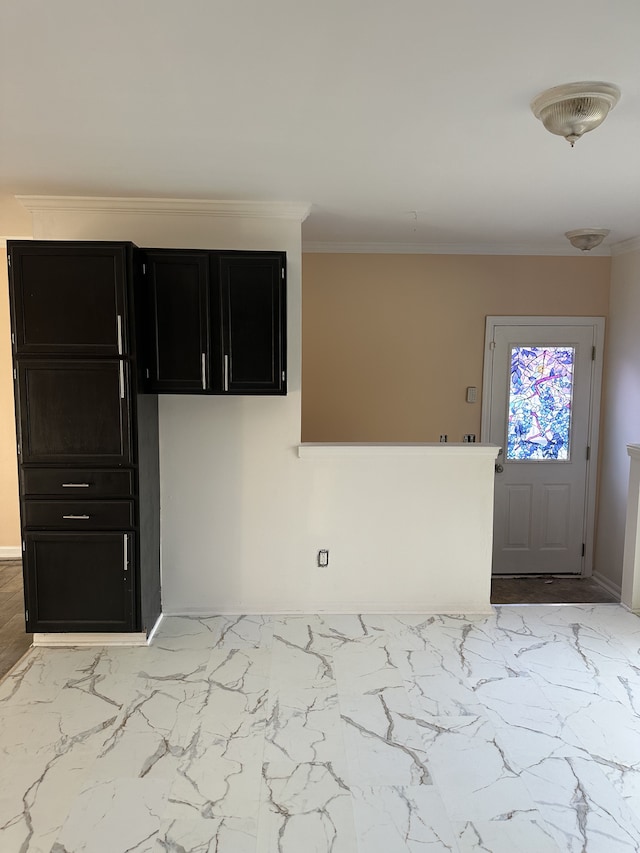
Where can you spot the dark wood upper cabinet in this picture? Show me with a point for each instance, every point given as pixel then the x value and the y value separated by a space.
pixel 253 323
pixel 178 296
pixel 69 298
pixel 74 411
pixel 217 322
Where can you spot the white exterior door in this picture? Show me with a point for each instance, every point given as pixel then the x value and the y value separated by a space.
pixel 541 405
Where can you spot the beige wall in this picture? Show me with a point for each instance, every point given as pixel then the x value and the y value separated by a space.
pixel 15 221
pixel 391 342
pixel 9 510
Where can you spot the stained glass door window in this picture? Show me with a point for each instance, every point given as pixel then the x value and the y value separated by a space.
pixel 540 398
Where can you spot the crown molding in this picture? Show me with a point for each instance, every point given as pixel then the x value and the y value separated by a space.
pixel 625 246
pixel 311 247
pixel 167 206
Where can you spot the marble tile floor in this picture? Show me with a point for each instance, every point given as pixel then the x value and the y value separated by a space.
pixel 513 731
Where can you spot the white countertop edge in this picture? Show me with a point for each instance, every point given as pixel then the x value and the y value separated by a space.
pixel 316 450
pixel 634 451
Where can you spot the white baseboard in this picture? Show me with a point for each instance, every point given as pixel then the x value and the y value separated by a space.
pixel 607 584
pixel 10 552
pixel 84 640
pixel 341 609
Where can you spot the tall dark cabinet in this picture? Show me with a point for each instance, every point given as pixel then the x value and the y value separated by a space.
pixel 87 439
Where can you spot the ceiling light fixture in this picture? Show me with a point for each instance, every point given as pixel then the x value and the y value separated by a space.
pixel 575 108
pixel 586 239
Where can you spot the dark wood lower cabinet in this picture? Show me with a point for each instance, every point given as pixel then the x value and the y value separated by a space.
pixel 79 581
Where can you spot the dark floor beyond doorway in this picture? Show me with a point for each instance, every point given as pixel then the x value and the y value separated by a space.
pixel 548 589
pixel 13 640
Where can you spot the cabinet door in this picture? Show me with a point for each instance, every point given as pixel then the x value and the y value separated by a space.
pixel 178 284
pixel 252 291
pixel 74 412
pixel 79 581
pixel 69 299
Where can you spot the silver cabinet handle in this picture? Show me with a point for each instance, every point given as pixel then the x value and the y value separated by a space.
pixel 204 371
pixel 122 380
pixel 77 517
pixel 125 554
pixel 119 330
pixel 226 373
pixel 76 485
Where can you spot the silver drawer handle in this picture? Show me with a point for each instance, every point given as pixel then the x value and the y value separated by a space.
pixel 77 517
pixel 76 485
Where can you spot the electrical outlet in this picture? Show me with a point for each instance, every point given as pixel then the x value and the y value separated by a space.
pixel 443 439
pixel 323 558
pixel 469 438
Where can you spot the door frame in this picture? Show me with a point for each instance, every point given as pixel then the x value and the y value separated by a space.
pixel 598 326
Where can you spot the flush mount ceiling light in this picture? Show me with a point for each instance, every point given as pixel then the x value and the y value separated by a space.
pixel 586 239
pixel 575 108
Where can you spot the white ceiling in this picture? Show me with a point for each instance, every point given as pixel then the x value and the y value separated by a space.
pixel 400 121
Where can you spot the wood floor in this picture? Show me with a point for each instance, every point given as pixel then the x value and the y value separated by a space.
pixel 13 640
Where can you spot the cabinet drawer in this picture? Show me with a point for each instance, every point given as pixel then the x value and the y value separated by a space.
pixel 79 515
pixel 77 482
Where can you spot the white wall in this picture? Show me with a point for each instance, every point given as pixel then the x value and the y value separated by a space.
pixel 622 419
pixel 408 527
pixel 243 516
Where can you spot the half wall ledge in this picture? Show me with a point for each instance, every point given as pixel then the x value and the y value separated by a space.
pixel 310 450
